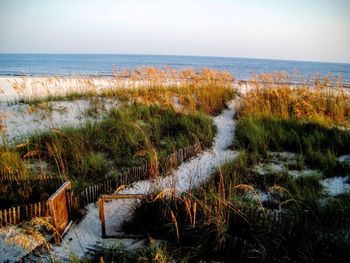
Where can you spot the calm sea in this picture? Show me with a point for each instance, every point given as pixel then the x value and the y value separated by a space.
pixel 79 64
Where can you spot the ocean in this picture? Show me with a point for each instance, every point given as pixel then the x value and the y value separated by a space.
pixel 104 64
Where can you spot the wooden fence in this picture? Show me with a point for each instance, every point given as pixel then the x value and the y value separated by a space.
pixel 130 175
pixel 9 177
pixel 92 193
pixel 18 214
pixel 178 157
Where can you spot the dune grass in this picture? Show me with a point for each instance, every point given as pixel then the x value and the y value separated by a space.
pixel 173 117
pixel 311 120
pixel 318 146
pixel 184 90
pixel 324 102
pixel 150 251
pixel 126 137
pixel 17 187
pixel 210 221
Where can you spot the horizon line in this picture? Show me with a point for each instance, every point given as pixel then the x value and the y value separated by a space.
pixel 173 55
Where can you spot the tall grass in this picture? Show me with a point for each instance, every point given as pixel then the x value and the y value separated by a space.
pixel 188 90
pixel 319 146
pixel 305 119
pixel 213 221
pixel 209 222
pixel 325 101
pixel 16 173
pixel 126 137
pixel 149 251
pixel 206 90
pixel 132 136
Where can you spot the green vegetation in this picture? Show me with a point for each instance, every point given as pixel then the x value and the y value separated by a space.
pixel 240 213
pixel 226 217
pixel 325 102
pixel 319 146
pixel 125 137
pixel 17 187
pixel 14 193
pixel 230 219
pixel 150 252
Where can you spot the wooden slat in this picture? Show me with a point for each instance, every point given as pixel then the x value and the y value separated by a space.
pixel 19 213
pixel 102 216
pixel 27 211
pixel 10 216
pixel 14 215
pixel 5 216
pixel 30 210
pixel 87 195
pixel 36 213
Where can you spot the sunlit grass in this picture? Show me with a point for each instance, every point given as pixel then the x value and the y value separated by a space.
pixel 325 101
pixel 184 90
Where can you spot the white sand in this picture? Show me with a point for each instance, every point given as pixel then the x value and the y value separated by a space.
pixel 21 120
pixel 336 185
pixel 8 250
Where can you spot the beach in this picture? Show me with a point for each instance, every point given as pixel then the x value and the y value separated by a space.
pixel 32 108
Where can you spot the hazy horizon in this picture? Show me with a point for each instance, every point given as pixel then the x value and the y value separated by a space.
pixel 175 55
pixel 313 31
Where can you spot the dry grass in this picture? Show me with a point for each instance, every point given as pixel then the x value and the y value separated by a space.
pixel 184 90
pixel 206 90
pixel 324 101
pixel 30 235
pixel 45 87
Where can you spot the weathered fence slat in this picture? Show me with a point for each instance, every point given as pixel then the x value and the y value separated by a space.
pixel 6 177
pixel 18 214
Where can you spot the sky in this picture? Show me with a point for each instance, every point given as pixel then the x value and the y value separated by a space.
pixel 308 30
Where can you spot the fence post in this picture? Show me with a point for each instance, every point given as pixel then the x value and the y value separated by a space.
pixel 87 195
pixel 27 212
pixel 19 214
pixel 102 216
pixel 5 216
pixel 47 208
pixel 31 210
pixel 10 215
pixel 14 215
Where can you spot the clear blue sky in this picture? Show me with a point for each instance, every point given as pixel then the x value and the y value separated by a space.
pixel 316 30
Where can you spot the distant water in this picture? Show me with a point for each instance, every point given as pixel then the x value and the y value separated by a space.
pixel 103 65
